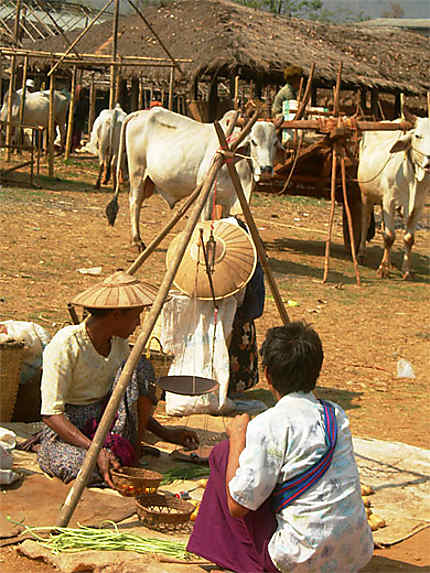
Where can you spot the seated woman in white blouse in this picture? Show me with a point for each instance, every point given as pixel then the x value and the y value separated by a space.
pixel 81 365
pixel 284 490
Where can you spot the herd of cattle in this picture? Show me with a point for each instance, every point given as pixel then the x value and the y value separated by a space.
pixel 171 153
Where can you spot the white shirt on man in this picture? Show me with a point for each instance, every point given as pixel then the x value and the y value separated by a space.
pixel 325 529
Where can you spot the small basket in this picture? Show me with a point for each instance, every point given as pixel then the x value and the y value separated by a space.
pixel 11 357
pixel 163 511
pixel 133 482
pixel 161 360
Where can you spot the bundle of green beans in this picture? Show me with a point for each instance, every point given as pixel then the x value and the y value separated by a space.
pixel 185 471
pixel 82 538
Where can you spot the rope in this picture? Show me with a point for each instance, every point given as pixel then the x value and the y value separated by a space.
pixel 380 171
pixel 293 167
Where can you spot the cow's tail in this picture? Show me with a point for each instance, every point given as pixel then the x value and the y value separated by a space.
pixel 111 143
pixel 112 207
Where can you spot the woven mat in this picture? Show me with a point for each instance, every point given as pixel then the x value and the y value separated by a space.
pixel 36 500
pixel 400 476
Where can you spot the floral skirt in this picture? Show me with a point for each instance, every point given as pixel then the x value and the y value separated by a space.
pixel 243 353
pixel 64 460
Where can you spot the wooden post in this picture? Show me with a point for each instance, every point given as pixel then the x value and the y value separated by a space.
pixel 428 101
pixel 363 100
pixel 22 101
pixel 336 102
pixel 402 105
pixel 374 99
pixel 51 126
pixel 92 104
pixel 332 206
pixel 16 32
pixel 236 92
pixel 9 127
pixel 140 95
pixel 134 94
pixel 109 413
pixel 114 71
pixel 70 119
pixel 111 87
pixel 264 261
pixel 171 86
pixel 348 215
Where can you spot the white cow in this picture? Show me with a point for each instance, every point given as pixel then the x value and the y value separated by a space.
pixel 104 141
pixel 36 110
pixel 172 154
pixel 394 170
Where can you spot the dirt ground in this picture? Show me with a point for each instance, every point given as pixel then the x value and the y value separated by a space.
pixel 51 232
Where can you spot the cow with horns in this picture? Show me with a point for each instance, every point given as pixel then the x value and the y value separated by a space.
pixel 394 170
pixel 172 153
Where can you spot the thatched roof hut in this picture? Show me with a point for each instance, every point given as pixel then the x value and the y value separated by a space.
pixel 226 39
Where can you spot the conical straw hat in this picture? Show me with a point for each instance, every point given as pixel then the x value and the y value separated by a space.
pixel 235 261
pixel 119 290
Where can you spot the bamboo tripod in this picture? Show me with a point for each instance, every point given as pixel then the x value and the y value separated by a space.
pixel 199 197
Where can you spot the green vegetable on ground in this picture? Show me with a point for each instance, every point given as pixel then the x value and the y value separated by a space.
pixel 82 538
pixel 184 471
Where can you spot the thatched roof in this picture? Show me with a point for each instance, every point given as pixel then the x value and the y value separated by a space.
pixel 227 38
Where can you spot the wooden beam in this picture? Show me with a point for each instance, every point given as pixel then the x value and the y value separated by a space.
pixel 81 35
pixel 178 67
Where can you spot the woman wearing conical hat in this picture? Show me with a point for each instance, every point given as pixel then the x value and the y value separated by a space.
pixel 81 365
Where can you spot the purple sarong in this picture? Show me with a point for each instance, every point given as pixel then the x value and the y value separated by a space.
pixel 238 544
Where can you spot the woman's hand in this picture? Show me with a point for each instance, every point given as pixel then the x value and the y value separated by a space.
pixel 238 425
pixel 183 437
pixel 105 462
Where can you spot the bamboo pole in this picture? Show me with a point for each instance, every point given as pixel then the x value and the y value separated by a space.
pixel 22 101
pixel 165 231
pixel 109 413
pixel 236 91
pixel 51 126
pixel 92 104
pixel 111 86
pixel 306 95
pixel 113 70
pixel 402 105
pixel 9 127
pixel 336 101
pixel 264 261
pixel 70 118
pixel 17 22
pixel 140 95
pixel 81 35
pixel 177 66
pixel 97 57
pixel 171 86
pixel 330 221
pixel 348 215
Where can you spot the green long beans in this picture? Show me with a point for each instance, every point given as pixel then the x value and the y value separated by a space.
pixel 185 471
pixel 82 538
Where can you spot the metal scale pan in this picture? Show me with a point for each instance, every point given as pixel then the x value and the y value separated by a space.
pixel 187 385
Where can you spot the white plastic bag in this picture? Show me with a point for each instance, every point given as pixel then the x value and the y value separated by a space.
pixel 405 369
pixel 188 332
pixel 34 337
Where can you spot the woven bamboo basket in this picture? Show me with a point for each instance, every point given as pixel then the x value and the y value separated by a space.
pixel 163 511
pixel 160 360
pixel 134 482
pixel 11 356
